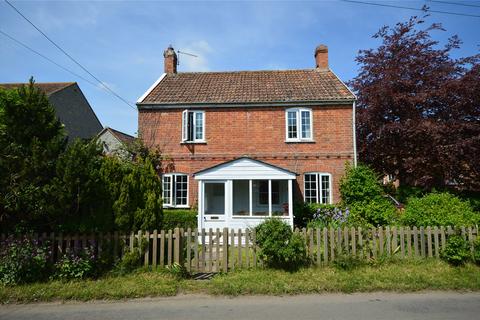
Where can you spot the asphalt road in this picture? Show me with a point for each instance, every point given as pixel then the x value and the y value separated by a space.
pixel 437 305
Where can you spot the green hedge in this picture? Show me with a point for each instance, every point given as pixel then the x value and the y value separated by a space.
pixel 178 218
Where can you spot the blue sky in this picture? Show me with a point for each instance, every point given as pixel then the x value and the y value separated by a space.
pixel 122 42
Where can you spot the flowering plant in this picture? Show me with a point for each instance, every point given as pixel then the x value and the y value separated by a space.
pixel 76 264
pixel 329 216
pixel 23 260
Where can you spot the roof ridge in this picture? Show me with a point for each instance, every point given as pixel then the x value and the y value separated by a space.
pixel 252 71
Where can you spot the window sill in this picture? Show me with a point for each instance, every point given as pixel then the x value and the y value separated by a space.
pixel 300 141
pixel 260 217
pixel 176 207
pixel 194 142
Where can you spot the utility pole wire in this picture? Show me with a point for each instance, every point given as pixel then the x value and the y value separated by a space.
pixel 457 3
pixel 46 58
pixel 410 8
pixel 71 58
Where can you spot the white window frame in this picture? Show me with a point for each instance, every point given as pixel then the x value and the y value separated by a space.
pixel 318 179
pixel 298 112
pixel 185 114
pixel 173 179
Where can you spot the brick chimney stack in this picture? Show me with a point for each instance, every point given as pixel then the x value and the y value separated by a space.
pixel 170 62
pixel 321 57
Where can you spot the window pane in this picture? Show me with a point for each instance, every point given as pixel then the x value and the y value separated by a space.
pixel 260 196
pixel 181 187
pixel 215 198
pixel 241 198
pixel 311 188
pixel 190 126
pixel 166 189
pixel 292 124
pixel 306 132
pixel 280 207
pixel 199 125
pixel 325 188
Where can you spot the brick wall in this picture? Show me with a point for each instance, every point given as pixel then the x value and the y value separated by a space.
pixel 255 132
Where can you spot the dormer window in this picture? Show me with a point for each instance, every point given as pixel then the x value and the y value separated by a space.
pixel 193 126
pixel 298 124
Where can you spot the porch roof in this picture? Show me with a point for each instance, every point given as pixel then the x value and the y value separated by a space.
pixel 244 168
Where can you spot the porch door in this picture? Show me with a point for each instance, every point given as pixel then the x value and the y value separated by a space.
pixel 214 203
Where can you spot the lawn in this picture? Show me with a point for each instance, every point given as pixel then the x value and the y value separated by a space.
pixel 403 276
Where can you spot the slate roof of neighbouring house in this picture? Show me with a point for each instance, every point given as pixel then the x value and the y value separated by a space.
pixel 248 87
pixel 47 87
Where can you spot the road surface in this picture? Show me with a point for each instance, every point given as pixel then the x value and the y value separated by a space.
pixel 432 305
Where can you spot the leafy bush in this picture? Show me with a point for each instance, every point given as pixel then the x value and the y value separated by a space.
pixel 345 261
pixel 359 184
pixel 23 261
pixel 130 261
pixel 476 251
pixel 175 218
pixel 362 192
pixel 279 246
pixel 327 215
pixel 178 271
pixel 376 212
pixel 439 209
pixel 456 251
pixel 76 264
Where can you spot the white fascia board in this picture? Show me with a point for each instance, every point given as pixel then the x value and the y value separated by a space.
pixel 343 83
pixel 151 88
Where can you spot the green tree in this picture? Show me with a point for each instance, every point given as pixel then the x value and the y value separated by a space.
pixel 31 139
pixel 80 197
pixel 139 202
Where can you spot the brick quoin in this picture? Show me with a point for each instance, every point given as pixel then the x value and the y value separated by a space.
pixel 255 132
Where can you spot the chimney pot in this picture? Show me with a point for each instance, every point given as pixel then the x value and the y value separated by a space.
pixel 321 57
pixel 170 60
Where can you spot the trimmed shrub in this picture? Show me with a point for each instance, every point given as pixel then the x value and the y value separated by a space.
pixel 439 209
pixel 279 246
pixel 23 261
pixel 175 218
pixel 456 251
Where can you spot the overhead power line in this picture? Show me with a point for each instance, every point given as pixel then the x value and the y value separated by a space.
pixel 45 57
pixel 71 58
pixel 457 3
pixel 410 8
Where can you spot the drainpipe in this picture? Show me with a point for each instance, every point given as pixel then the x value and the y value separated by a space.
pixel 354 137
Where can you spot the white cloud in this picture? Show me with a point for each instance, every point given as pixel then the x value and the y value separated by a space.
pixel 201 49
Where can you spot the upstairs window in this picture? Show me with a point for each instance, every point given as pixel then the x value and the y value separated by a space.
pixel 175 190
pixel 193 126
pixel 299 124
pixel 318 188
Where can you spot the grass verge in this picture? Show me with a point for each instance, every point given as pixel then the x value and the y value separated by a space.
pixel 402 276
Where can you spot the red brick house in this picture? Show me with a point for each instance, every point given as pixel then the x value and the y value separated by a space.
pixel 245 145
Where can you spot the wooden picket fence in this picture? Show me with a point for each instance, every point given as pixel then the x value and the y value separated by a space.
pixel 205 251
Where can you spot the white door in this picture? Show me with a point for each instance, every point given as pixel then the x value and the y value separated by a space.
pixel 214 204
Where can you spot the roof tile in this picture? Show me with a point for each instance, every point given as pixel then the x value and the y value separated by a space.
pixel 248 87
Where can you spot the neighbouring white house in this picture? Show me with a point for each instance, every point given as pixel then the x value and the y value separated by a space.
pixel 114 141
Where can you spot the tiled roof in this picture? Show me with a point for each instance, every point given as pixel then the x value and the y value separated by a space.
pixel 47 87
pixel 248 87
pixel 123 137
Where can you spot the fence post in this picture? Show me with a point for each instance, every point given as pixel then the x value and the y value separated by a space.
pixel 319 245
pixel 162 248
pixel 189 249
pixel 325 246
pixel 177 246
pixel 225 250
pixel 147 249
pixel 154 249
pixel 429 242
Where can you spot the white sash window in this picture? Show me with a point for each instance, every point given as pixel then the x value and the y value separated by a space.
pixel 193 126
